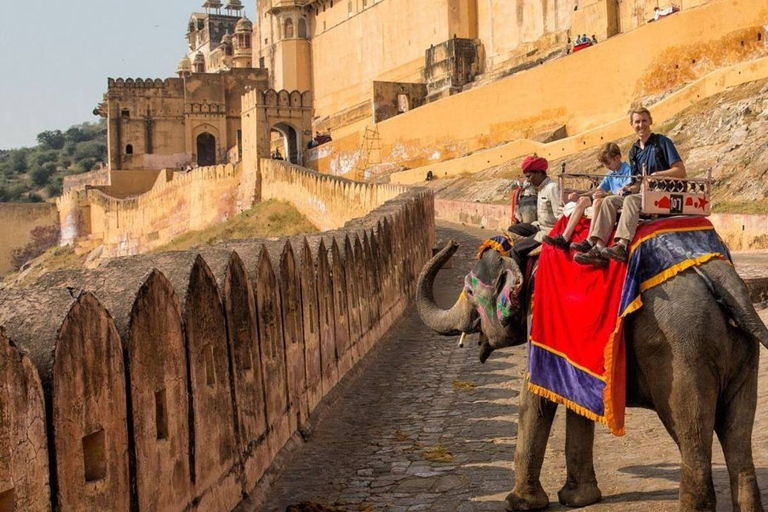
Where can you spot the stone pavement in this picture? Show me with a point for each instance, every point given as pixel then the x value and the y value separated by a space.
pixel 425 426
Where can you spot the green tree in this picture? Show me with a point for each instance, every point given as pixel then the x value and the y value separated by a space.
pixel 34 197
pixel 76 134
pixel 53 139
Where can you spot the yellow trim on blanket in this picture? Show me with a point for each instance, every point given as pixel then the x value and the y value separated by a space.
pixel 572 363
pixel 608 361
pixel 662 231
pixel 676 269
pixel 578 409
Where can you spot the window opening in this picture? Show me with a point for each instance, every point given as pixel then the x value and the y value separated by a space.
pixel 125 113
pixel 129 149
pixel 210 367
pixel 7 499
pixel 161 414
pixel 94 456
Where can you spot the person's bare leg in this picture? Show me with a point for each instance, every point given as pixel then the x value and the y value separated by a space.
pixel 581 205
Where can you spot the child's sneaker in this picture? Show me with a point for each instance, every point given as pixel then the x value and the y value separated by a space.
pixel 558 241
pixel 592 258
pixel 583 246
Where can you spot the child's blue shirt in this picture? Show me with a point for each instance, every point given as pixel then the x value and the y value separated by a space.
pixel 615 180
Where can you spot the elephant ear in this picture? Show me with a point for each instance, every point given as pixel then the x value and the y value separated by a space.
pixel 508 287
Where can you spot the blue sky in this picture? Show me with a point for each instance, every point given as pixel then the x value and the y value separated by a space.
pixel 56 56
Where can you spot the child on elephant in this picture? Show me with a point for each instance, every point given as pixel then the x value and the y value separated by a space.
pixel 619 177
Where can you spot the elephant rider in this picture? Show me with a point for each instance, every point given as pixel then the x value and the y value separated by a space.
pixel 660 157
pixel 548 207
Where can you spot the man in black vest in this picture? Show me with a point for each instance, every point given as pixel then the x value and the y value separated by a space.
pixel 658 155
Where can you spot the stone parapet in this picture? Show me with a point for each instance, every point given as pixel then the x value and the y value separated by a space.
pixel 328 201
pixel 172 381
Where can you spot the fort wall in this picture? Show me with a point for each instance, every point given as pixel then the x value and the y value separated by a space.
pixel 268 329
pixel 663 55
pixel 25 226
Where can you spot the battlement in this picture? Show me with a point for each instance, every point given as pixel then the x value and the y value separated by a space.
pixel 302 312
pixel 141 83
pixel 273 98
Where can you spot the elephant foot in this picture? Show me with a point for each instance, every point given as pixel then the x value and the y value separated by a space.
pixel 528 499
pixel 579 495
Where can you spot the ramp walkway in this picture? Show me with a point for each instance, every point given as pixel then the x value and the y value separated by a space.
pixel 424 426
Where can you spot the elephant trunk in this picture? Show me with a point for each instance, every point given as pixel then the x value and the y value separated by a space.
pixel 448 322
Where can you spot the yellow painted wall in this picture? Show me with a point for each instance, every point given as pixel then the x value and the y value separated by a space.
pixel 582 91
pixel 386 41
pixel 17 221
pixel 713 83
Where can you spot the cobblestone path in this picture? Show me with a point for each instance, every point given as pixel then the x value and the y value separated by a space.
pixel 425 426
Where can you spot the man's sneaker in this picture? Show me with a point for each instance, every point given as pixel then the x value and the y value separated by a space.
pixel 592 258
pixel 583 246
pixel 558 241
pixel 617 252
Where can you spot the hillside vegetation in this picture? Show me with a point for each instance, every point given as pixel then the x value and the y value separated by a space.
pixel 727 133
pixel 31 175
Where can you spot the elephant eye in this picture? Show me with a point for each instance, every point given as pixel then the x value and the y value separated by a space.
pixel 468 291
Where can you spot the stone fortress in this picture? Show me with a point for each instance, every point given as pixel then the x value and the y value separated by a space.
pixel 99 415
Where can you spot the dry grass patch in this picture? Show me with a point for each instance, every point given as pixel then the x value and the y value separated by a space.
pixel 55 258
pixel 461 385
pixel 438 453
pixel 265 220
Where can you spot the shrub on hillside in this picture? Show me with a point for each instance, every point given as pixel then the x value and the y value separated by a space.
pixel 19 160
pixel 86 164
pixel 44 157
pixel 91 149
pixel 54 189
pixel 42 174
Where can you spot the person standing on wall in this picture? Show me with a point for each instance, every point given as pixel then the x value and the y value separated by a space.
pixel 548 207
pixel 658 155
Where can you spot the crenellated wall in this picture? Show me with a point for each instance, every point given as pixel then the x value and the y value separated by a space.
pixel 328 201
pixel 132 225
pixel 172 381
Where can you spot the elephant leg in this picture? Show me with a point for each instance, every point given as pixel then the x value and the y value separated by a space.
pixel 536 415
pixel 734 429
pixel 580 488
pixel 689 418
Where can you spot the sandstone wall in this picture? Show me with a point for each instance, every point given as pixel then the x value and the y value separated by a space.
pixel 188 201
pixel 327 201
pixel 22 224
pixel 212 362
pixel 739 231
pixel 660 56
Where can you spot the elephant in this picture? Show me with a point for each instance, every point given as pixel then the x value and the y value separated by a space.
pixel 692 356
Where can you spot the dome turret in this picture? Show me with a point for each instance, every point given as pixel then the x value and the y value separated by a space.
pixel 243 25
pixel 184 67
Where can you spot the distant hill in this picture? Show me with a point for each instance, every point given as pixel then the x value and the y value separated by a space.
pixel 35 174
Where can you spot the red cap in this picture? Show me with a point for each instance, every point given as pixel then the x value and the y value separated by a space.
pixel 535 163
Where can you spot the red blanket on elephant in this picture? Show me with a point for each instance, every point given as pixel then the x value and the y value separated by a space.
pixel 576 345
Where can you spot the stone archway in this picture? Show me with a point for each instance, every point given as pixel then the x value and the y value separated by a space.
pixel 291 144
pixel 206 149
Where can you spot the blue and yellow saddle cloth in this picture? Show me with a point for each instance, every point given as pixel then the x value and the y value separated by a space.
pixel 576 352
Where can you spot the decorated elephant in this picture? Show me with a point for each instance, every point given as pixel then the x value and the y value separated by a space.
pixel 692 356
